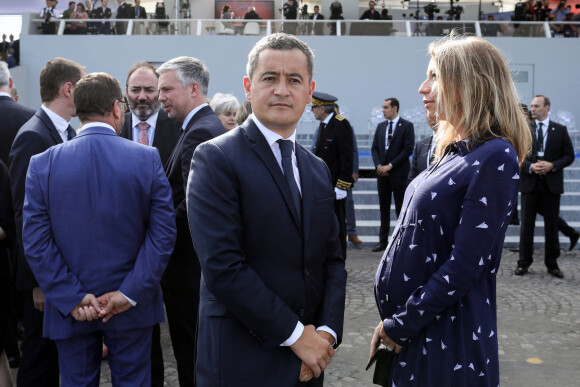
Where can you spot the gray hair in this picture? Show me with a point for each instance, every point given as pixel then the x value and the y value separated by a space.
pixel 279 41
pixel 188 70
pixel 4 74
pixel 223 102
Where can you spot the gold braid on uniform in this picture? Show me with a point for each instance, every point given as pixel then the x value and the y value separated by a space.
pixel 343 185
pixel 319 102
pixel 339 117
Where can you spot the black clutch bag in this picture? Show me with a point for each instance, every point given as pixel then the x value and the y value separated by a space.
pixel 384 360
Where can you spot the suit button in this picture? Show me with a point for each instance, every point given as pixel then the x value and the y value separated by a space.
pixel 306 272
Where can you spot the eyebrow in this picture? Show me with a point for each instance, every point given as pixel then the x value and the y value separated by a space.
pixel 297 75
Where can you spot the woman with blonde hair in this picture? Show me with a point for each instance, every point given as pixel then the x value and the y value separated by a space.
pixel 435 286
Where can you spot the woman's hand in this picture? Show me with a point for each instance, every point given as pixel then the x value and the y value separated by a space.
pixel 380 337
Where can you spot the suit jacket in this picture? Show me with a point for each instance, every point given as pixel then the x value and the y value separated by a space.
pixel 142 12
pixel 559 151
pixel 36 136
pixel 335 146
pixel 166 133
pixel 120 237
pixel 263 270
pixel 183 266
pixel 400 148
pixel 318 26
pixel 13 116
pixel 419 159
pixel 252 15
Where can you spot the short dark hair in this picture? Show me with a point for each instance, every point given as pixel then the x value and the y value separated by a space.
pixel 95 95
pixel 138 66
pixel 546 99
pixel 328 108
pixel 56 73
pixel 393 102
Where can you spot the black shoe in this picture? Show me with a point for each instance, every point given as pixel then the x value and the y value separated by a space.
pixel 379 247
pixel 520 270
pixel 556 273
pixel 573 240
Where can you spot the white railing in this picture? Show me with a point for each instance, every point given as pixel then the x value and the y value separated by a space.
pixel 411 27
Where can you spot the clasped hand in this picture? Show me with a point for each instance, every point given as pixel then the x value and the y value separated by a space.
pixel 542 167
pixel 315 351
pixel 105 307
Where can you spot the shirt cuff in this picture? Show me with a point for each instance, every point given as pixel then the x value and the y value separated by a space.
pixel 133 303
pixel 294 336
pixel 326 328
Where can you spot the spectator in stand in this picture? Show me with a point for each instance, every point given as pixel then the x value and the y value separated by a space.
pixel 316 27
pixel 4 45
pixel 50 15
pixel 103 12
pixel 226 12
pixel 139 13
pixel 15 44
pixel 290 13
pixel 371 13
pixel 9 58
pixel 67 15
pixel 225 107
pixel 336 14
pixel 489 29
pixel 252 14
pixel 79 28
pixel 559 14
pixel 123 12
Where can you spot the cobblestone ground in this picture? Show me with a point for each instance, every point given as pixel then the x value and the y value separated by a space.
pixel 539 321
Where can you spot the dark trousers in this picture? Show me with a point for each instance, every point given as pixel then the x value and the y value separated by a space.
pixel 39 361
pixel 181 306
pixel 340 211
pixel 532 203
pixel 157 371
pixel 129 357
pixel 387 186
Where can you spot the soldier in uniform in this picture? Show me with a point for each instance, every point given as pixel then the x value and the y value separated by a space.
pixel 334 146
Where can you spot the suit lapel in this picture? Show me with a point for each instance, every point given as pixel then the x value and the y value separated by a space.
pixel 51 128
pixel 306 187
pixel 550 132
pixel 264 152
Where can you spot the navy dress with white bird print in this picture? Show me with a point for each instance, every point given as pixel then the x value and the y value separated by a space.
pixel 435 285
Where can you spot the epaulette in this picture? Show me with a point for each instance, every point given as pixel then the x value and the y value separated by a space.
pixel 343 185
pixel 340 118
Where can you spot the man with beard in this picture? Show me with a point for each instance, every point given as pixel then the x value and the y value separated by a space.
pixel 183 84
pixel 147 123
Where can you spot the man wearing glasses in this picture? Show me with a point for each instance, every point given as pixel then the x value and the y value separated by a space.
pixel 99 268
pixel 334 146
pixel 392 146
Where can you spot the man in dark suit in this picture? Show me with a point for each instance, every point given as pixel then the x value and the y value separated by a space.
pixel 317 26
pixel 542 183
pixel 106 261
pixel 123 12
pixel 139 12
pixel 252 14
pixel 13 115
pixel 147 123
pixel 183 84
pixel 392 145
pixel 334 146
pixel 371 13
pixel 260 209
pixel 48 127
pixel 422 153
pixel 103 12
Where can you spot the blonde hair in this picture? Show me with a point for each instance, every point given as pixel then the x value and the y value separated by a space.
pixel 477 93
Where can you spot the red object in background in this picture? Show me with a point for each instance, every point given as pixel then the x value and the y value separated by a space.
pixel 264 8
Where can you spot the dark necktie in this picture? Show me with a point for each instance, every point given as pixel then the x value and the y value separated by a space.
pixel 70 133
pixel 286 150
pixel 540 138
pixel 390 134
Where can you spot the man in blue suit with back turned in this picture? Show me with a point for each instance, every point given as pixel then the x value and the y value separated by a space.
pixel 261 214
pixel 98 222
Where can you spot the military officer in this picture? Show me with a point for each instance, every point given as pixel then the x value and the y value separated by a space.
pixel 334 146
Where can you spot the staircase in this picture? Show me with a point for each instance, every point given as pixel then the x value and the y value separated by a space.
pixel 368 217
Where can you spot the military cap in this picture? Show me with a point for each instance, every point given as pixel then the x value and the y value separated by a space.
pixel 323 99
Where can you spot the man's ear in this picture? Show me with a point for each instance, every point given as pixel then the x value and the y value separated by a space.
pixel 247 87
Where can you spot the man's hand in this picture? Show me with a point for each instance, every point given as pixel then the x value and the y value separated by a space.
pixel 542 167
pixel 379 336
pixel 383 170
pixel 38 298
pixel 313 350
pixel 87 310
pixel 305 372
pixel 111 304
pixel 355 177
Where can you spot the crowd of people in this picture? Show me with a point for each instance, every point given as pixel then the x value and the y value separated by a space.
pixel 211 211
